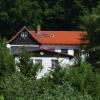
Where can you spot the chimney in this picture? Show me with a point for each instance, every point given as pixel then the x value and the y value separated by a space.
pixel 38 29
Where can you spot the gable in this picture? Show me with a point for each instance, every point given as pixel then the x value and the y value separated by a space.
pixel 23 37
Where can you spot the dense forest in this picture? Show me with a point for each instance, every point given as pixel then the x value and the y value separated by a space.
pixel 50 14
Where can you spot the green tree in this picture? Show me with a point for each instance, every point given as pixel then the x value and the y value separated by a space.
pixel 52 15
pixel 26 65
pixel 91 24
pixel 19 87
pixel 15 14
pixel 83 78
pixel 60 15
pixel 7 62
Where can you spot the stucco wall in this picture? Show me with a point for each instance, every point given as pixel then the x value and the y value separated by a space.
pixel 47 64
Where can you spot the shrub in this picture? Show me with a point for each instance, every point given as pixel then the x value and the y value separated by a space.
pixel 19 87
pixel 7 63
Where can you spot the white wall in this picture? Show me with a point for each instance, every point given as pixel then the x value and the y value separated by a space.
pixel 71 52
pixel 57 50
pixel 47 64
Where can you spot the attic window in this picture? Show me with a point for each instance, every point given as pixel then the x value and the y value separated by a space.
pixel 24 34
pixel 51 35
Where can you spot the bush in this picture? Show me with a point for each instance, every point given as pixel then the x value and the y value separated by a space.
pixel 83 79
pixel 7 62
pixel 26 66
pixel 1 97
pixel 19 87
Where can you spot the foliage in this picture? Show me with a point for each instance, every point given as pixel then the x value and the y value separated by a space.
pixel 58 75
pixel 16 14
pixel 91 24
pixel 19 87
pixel 7 63
pixel 1 97
pixel 80 76
pixel 26 65
pixel 63 14
pixel 83 79
pixel 78 82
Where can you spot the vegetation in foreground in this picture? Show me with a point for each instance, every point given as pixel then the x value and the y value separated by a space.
pixel 78 82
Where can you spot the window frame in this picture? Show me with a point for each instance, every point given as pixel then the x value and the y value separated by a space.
pixel 65 51
pixel 54 63
pixel 38 61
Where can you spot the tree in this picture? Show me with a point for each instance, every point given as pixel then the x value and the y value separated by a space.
pixel 7 63
pixel 91 24
pixel 26 65
pixel 15 14
pixel 19 87
pixel 60 15
pixel 89 4
pixel 52 15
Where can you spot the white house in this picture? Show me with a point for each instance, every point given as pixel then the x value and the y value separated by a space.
pixel 47 45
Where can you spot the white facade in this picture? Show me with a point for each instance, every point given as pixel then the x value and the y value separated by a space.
pixel 71 52
pixel 47 63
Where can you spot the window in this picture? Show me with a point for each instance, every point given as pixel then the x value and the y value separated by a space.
pixel 64 51
pixel 38 61
pixel 24 34
pixel 55 63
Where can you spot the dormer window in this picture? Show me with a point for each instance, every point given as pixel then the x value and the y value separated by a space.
pixel 24 34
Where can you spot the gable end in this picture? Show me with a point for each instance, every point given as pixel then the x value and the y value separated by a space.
pixel 23 37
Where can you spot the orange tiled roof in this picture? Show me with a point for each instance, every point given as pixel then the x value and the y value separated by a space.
pixel 60 37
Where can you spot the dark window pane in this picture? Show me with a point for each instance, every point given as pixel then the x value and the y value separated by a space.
pixel 64 51
pixel 55 63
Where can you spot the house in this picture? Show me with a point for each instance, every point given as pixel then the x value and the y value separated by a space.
pixel 47 45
